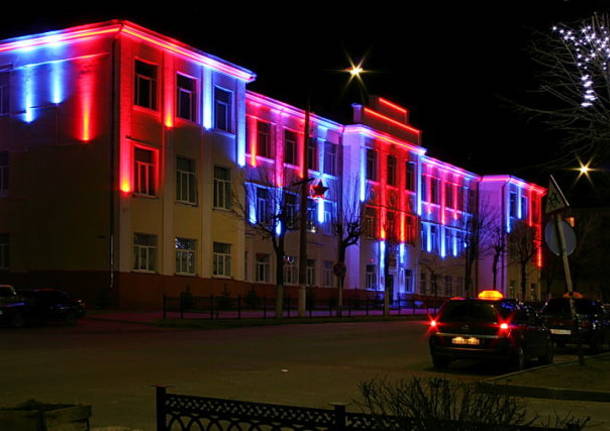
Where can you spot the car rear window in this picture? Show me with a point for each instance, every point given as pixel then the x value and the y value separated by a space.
pixel 562 306
pixel 474 311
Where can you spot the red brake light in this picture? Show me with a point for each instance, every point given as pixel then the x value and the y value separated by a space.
pixel 504 326
pixel 433 323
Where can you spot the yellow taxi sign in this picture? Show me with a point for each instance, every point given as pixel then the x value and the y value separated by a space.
pixel 493 295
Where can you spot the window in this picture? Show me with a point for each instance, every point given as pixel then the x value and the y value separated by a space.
pixel 222 259
pixel 459 239
pixel 371 165
pixel 146 85
pixel 290 270
pixel 263 213
pixel 312 154
pixel 263 268
pixel 223 109
pixel 327 274
pixel 424 237
pixel 371 277
pixel 290 147
pixel 263 139
pixel 187 97
pixel 370 222
pixel 330 158
pixel 145 252
pixel 460 199
pixel 145 172
pixel 311 214
pixel 523 207
pixel 222 188
pixel 423 283
pixel 185 256
pixel 513 204
pixel 408 281
pixel 310 272
pixel 391 165
pixel 391 225
pixel 449 195
pixel 410 180
pixel 290 205
pixel 435 188
pixel 424 189
pixel 410 229
pixel 4 93
pixel 4 171
pixel 434 238
pixel 471 203
pixel 4 251
pixel 329 211
pixel 186 181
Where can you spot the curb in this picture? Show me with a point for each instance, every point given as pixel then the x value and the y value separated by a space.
pixel 547 392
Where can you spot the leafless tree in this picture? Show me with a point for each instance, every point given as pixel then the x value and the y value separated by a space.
pixel 497 247
pixel 270 212
pixel 480 228
pixel 573 97
pixel 522 249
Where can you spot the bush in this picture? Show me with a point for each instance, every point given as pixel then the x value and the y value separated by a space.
pixel 437 404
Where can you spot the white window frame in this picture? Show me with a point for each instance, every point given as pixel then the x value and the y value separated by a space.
pixel 262 268
pixel 327 274
pixel 192 96
pixel 290 270
pixel 371 277
pixel 186 257
pixel 186 182
pixel 222 261
pixel 145 255
pixel 222 189
pixel 143 173
pixel 310 272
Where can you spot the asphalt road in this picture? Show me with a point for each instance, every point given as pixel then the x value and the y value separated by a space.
pixel 113 366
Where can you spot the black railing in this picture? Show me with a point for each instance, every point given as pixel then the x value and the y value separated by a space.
pixel 190 413
pixel 240 307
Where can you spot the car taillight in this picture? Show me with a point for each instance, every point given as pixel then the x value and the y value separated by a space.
pixel 433 323
pixel 503 329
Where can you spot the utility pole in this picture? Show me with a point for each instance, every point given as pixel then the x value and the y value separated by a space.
pixel 303 216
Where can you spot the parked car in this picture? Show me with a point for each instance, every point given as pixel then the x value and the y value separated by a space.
pixel 491 329
pixel 11 306
pixel 594 322
pixel 39 306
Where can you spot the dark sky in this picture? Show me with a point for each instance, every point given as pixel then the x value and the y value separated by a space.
pixel 450 63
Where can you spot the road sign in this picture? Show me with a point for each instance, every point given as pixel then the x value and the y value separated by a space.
pixel 555 200
pixel 552 240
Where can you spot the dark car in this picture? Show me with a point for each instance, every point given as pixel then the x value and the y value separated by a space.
pixel 49 305
pixel 497 330
pixel 593 321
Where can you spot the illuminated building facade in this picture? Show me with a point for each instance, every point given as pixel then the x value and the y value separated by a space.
pixel 125 153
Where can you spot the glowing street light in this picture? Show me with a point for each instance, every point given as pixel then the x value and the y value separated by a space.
pixel 584 169
pixel 355 71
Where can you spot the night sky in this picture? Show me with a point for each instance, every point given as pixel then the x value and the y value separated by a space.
pixel 451 63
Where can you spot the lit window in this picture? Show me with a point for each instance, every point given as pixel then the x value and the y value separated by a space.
pixel 4 251
pixel 263 268
pixel 330 158
pixel 263 139
pixel 4 171
pixel 185 256
pixel 4 93
pixel 222 259
pixel 391 165
pixel 290 147
pixel 146 85
pixel 223 109
pixel 434 238
pixel 311 272
pixel 312 154
pixel 145 172
pixel 145 252
pixel 327 274
pixel 371 277
pixel 187 97
pixel 370 222
pixel 371 165
pixel 186 181
pixel 263 213
pixel 222 188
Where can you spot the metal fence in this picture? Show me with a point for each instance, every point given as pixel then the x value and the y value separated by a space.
pixel 190 413
pixel 248 307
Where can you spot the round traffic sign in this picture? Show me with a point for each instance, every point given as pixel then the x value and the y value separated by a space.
pixel 552 240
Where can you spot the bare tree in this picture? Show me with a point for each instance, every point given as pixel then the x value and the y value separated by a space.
pixel 496 247
pixel 573 97
pixel 270 212
pixel 481 229
pixel 522 249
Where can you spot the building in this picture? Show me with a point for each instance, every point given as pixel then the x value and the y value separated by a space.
pixel 133 165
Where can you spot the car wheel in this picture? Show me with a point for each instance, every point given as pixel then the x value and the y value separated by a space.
pixel 440 362
pixel 17 320
pixel 517 361
pixel 548 356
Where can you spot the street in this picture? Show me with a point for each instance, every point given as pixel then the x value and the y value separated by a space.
pixel 113 366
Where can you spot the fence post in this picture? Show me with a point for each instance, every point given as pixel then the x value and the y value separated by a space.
pixel 339 424
pixel 239 307
pixel 161 392
pixel 164 307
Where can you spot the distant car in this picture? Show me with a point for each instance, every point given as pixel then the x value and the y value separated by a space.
pixel 39 306
pixel 594 322
pixel 491 329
